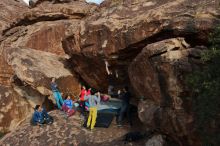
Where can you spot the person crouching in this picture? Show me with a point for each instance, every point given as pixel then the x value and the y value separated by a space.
pixel 41 116
pixel 67 107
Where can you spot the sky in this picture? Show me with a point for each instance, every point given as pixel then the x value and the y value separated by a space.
pixel 95 1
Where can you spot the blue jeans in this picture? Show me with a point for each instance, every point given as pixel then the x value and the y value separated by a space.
pixel 58 98
pixel 125 109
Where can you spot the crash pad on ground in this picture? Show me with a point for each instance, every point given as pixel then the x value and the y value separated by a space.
pixel 113 103
pixel 103 120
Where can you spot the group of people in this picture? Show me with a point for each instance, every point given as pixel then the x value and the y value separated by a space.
pixel 87 100
pixel 123 94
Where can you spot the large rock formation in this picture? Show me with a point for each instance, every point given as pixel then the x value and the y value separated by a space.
pixel 158 75
pixel 149 45
pixel 14 109
pixel 120 30
pixel 32 53
pixel 120 33
pixel 10 11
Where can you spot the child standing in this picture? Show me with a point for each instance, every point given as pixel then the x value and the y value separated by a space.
pixel 94 101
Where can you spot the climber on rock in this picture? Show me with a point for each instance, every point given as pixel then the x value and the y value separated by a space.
pixel 41 116
pixel 94 101
pixel 68 106
pixel 112 77
pixel 56 94
pixel 125 96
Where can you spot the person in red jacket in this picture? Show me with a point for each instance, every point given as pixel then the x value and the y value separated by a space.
pixel 88 92
pixel 83 93
pixel 86 101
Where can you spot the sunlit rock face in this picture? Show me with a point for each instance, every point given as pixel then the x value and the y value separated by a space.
pixel 10 11
pixel 32 54
pixel 14 109
pixel 149 46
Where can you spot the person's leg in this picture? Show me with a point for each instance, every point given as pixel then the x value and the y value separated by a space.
pixel 90 117
pixel 42 121
pixel 121 113
pixel 56 96
pixel 129 114
pixel 65 108
pixel 60 98
pixel 94 116
pixel 82 104
pixel 70 112
pixel 45 114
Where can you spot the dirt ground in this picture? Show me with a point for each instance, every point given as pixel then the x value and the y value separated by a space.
pixel 70 132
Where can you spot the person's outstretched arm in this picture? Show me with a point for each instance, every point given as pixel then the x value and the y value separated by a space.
pixel 106 67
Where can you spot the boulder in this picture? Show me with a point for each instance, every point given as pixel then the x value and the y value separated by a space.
pixel 119 30
pixel 37 68
pixel 27 83
pixel 156 140
pixel 10 11
pixel 158 74
pixel 13 109
pixel 6 72
pixel 44 27
pixel 32 53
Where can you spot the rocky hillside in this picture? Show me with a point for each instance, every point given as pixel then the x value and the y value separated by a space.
pixel 149 45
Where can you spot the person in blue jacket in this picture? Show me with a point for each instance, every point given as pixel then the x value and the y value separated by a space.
pixel 41 116
pixel 68 102
pixel 56 94
pixel 68 106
